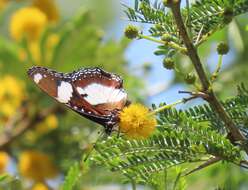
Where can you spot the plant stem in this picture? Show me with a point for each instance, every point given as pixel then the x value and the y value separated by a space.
pixel 206 87
pixel 169 106
pixel 165 107
pixel 170 44
pixel 216 72
pixel 133 185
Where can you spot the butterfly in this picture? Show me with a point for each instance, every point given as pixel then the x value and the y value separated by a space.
pixel 91 92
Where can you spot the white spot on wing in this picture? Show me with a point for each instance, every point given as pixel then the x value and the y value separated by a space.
pixel 100 94
pixel 37 78
pixel 64 92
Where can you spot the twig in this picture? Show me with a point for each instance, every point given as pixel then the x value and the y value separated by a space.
pixel 169 106
pixel 170 44
pixel 217 70
pixel 209 162
pixel 206 86
pixel 26 123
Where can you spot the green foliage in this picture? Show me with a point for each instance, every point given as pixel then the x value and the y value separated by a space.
pixel 236 108
pixel 183 136
pixel 203 18
pixel 174 143
pixel 72 177
pixel 9 182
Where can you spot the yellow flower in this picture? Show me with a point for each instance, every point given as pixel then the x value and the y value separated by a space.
pixel 37 166
pixel 4 159
pixel 136 122
pixel 3 4
pixel 50 123
pixel 34 48
pixel 11 95
pixel 49 8
pixel 51 43
pixel 29 22
pixel 40 186
pixel 52 40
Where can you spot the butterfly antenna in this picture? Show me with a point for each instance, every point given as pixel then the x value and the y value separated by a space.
pixel 94 145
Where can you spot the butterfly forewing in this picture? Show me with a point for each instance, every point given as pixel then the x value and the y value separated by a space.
pixel 91 92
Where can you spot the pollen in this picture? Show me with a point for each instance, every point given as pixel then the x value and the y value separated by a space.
pixel 137 122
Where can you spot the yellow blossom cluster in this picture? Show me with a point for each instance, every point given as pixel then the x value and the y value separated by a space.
pixel 36 166
pixel 3 4
pixel 11 95
pixel 30 22
pixel 49 8
pixel 50 123
pixel 27 22
pixel 4 159
pixel 40 186
pixel 137 122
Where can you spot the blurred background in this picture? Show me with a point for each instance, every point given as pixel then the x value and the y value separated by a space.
pixel 40 139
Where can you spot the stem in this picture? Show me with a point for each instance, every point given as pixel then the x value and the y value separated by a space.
pixel 133 185
pixel 170 44
pixel 165 107
pixel 169 106
pixel 165 179
pixel 217 71
pixel 206 87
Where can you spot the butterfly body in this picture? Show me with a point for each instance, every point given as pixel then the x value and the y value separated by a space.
pixel 91 92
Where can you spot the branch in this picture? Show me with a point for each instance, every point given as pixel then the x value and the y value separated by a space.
pixel 206 85
pixel 25 123
pixel 209 162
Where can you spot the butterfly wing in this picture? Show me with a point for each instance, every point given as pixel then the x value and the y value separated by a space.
pixel 100 89
pixel 92 92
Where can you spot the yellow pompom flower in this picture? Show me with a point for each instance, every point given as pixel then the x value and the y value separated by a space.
pixel 11 95
pixel 4 159
pixel 49 8
pixel 137 122
pixel 40 186
pixel 28 22
pixel 50 123
pixel 37 166
pixel 3 4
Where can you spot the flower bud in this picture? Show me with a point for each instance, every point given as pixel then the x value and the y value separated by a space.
pixel 222 48
pixel 190 78
pixel 131 32
pixel 166 37
pixel 168 63
pixel 228 15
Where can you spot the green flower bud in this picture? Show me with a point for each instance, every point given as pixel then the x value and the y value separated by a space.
pixel 222 48
pixel 190 78
pixel 166 37
pixel 228 15
pixel 158 27
pixel 168 63
pixel 131 32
